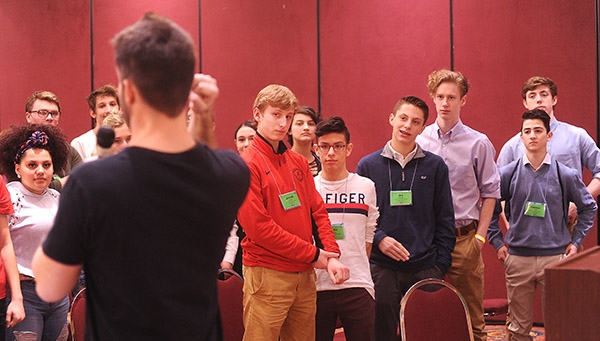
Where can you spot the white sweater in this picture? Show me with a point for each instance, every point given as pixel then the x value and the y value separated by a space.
pixel 353 202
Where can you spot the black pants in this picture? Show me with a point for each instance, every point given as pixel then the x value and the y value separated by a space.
pixel 354 306
pixel 390 286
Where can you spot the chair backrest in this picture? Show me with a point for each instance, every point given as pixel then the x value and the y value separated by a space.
pixel 230 285
pixel 77 316
pixel 434 310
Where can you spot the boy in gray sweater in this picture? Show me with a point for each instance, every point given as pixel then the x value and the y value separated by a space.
pixel 536 190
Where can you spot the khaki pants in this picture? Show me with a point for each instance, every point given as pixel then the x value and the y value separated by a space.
pixel 466 274
pixel 523 275
pixel 579 249
pixel 279 305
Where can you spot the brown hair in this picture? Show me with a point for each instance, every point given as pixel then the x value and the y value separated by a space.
pixel 536 81
pixel 440 76
pixel 277 96
pixel 308 111
pixel 417 102
pixel 159 57
pixel 41 95
pixel 107 90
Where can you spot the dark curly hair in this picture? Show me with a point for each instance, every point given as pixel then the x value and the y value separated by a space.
pixel 14 137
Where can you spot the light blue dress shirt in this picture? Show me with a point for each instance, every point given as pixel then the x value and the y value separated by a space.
pixel 570 145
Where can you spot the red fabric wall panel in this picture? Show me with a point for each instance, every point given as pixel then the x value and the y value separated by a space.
pixel 500 45
pixel 372 54
pixel 44 46
pixel 247 45
pixel 110 17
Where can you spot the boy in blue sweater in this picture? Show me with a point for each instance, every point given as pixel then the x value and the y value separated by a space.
pixel 537 190
pixel 415 235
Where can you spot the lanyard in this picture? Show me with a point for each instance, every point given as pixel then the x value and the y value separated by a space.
pixel 335 190
pixel 270 172
pixel 413 176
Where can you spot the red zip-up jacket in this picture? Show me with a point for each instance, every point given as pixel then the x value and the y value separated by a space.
pixel 276 238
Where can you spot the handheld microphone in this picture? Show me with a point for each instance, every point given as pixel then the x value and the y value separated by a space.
pixel 104 140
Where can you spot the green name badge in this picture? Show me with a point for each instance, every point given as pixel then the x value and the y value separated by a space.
pixel 535 209
pixel 401 198
pixel 338 230
pixel 289 200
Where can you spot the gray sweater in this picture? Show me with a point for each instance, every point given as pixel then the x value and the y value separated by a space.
pixel 553 184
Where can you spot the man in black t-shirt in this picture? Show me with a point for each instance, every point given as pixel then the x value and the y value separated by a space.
pixel 149 224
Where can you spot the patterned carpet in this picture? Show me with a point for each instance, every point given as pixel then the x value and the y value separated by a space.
pixel 498 333
pixel 495 333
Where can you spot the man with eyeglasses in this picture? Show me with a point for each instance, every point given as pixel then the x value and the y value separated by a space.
pixel 351 202
pixel 43 107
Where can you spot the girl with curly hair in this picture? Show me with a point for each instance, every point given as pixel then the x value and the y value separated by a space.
pixel 31 153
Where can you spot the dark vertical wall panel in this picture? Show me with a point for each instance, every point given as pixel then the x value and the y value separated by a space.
pixel 247 45
pixel 44 46
pixel 498 46
pixel 372 54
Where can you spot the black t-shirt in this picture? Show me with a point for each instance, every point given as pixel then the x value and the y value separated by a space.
pixel 150 229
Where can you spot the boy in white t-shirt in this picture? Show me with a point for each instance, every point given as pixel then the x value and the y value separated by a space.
pixel 351 202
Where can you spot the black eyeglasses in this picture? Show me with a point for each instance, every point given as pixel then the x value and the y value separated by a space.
pixel 336 147
pixel 43 113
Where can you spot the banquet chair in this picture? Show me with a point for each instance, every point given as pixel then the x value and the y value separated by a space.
pixel 76 316
pixel 433 309
pixel 494 307
pixel 230 296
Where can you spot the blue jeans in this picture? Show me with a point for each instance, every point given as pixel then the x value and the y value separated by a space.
pixel 45 319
